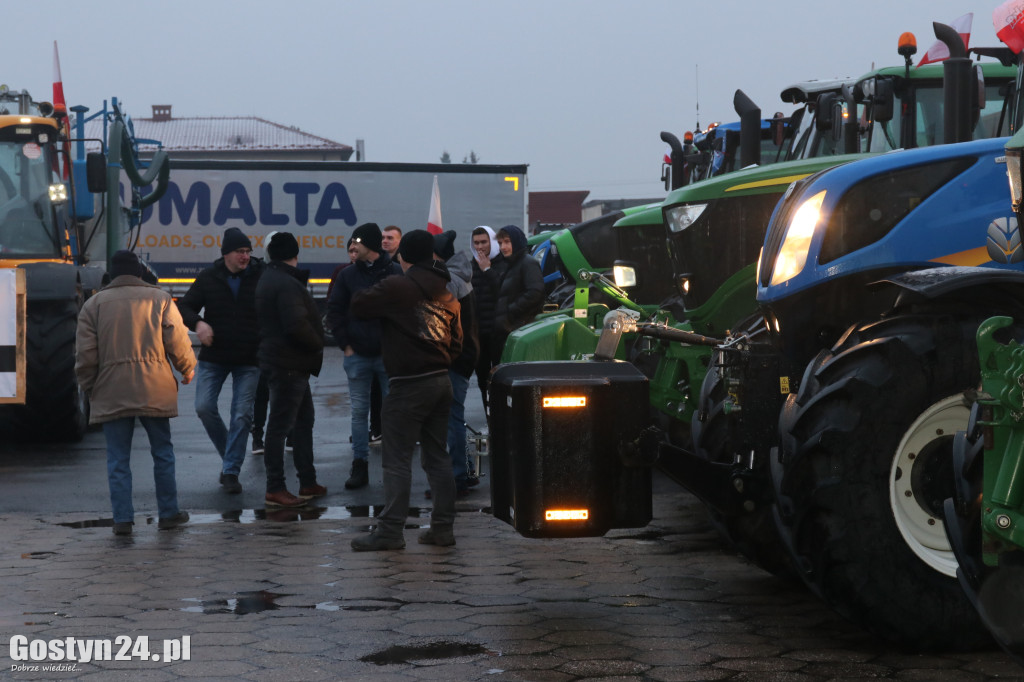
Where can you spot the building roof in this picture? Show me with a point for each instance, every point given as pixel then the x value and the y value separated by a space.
pixel 220 134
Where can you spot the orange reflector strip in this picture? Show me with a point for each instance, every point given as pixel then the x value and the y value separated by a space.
pixel 565 401
pixel 566 514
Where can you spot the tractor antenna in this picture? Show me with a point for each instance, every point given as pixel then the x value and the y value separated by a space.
pixel 696 70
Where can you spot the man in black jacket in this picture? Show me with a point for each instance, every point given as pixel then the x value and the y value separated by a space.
pixel 291 349
pixel 421 336
pixel 520 291
pixel 220 307
pixel 360 340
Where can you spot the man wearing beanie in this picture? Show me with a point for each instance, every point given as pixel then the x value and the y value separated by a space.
pixel 291 349
pixel 129 334
pixel 360 339
pixel 225 295
pixel 421 335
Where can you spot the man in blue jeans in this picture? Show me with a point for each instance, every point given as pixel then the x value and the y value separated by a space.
pixel 220 307
pixel 129 335
pixel 360 339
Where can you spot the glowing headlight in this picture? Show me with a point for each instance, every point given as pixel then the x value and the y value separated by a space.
pixel 58 193
pixel 793 255
pixel 624 276
pixel 681 217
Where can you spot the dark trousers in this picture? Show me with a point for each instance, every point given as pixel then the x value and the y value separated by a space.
pixel 484 363
pixel 416 409
pixel 291 411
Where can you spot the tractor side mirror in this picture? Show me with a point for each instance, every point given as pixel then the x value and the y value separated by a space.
pixel 882 100
pixel 96 172
pixel 824 111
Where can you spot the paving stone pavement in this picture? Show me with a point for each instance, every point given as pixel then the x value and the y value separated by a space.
pixel 270 595
pixel 277 596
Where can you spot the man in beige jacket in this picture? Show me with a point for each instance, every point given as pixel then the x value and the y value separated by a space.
pixel 129 335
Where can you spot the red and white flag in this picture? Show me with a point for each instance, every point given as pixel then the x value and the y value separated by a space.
pixel 668 156
pixel 938 51
pixel 434 221
pixel 60 105
pixel 1008 20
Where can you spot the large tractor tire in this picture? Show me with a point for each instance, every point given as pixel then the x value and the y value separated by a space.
pixel 752 532
pixel 865 467
pixel 55 408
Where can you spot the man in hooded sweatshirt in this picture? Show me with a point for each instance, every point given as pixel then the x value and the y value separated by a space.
pixel 521 292
pixel 488 266
pixel 421 336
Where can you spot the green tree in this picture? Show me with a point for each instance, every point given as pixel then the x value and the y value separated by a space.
pixel 446 157
pixel 472 158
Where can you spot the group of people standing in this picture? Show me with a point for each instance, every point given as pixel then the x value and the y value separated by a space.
pixel 413 314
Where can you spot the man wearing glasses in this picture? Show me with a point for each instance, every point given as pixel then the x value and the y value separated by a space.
pixel 225 294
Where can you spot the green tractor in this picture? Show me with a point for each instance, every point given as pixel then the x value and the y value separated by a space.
pixel 715 232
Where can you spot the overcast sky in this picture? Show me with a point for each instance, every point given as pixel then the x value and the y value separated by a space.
pixel 578 90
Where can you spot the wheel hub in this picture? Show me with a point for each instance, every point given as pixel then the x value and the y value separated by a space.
pixel 920 480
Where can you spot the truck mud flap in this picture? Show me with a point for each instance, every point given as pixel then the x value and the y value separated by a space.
pixel 563 460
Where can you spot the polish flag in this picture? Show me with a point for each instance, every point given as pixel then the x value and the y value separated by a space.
pixel 938 51
pixel 1008 20
pixel 434 221
pixel 60 105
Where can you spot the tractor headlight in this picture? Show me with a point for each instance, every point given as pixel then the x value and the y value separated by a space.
pixel 58 193
pixel 681 217
pixel 1014 149
pixel 793 254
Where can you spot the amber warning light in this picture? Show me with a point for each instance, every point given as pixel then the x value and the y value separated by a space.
pixel 565 401
pixel 566 514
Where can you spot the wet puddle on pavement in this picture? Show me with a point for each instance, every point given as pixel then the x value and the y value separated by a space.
pixel 254 515
pixel 244 603
pixel 424 653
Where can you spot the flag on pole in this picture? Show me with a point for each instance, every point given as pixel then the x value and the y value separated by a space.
pixel 60 105
pixel 1008 20
pixel 434 221
pixel 938 51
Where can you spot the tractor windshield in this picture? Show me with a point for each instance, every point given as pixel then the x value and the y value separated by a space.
pixel 928 118
pixel 27 225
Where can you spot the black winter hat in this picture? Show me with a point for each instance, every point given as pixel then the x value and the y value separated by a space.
pixel 444 244
pixel 369 235
pixel 283 246
pixel 417 246
pixel 233 240
pixel 125 263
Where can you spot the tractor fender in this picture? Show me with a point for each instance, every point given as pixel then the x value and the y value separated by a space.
pixel 51 281
pixel 937 283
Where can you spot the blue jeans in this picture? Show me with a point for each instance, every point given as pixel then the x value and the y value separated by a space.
pixel 229 441
pixel 360 370
pixel 119 473
pixel 457 428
